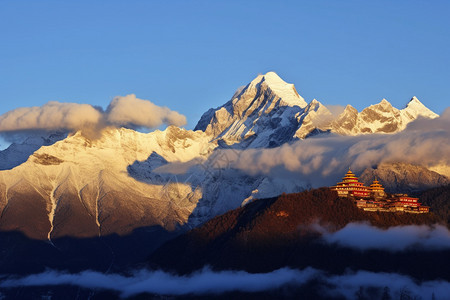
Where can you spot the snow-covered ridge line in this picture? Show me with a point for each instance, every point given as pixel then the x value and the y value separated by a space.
pixel 269 112
pixel 85 187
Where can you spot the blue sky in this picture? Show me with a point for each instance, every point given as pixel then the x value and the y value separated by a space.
pixel 193 55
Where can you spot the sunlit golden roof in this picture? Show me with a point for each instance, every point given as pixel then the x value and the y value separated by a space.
pixel 376 185
pixel 350 175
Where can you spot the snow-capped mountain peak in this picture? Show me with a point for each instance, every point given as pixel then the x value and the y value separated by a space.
pixel 415 108
pixel 385 102
pixel 83 187
pixel 256 112
pixel 60 185
pixel 414 99
pixel 286 91
pixel 380 118
pixel 315 116
pixel 383 105
pixel 269 112
pixel 314 103
pixel 279 92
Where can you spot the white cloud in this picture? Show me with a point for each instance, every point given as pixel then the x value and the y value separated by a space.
pixel 320 160
pixel 210 282
pixel 158 282
pixel 365 237
pixel 348 284
pixel 122 111
pixel 335 110
pixel 52 115
pixel 130 110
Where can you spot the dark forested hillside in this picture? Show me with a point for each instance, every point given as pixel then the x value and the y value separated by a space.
pixel 272 233
pixel 439 201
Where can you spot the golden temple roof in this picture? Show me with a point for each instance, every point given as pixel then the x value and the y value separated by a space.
pixel 349 175
pixel 376 185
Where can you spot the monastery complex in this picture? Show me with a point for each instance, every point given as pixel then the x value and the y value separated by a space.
pixel 374 198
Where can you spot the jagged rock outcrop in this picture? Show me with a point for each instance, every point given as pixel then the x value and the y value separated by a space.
pixel 379 118
pixel 403 178
pixel 18 152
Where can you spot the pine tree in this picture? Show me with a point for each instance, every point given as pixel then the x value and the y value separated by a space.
pixel 360 293
pixel 386 294
pixel 405 294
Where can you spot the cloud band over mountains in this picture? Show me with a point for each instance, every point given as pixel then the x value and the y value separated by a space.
pixel 362 236
pixel 316 159
pixel 122 111
pixel 208 282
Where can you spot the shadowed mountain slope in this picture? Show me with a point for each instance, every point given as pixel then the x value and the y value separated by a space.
pixel 272 233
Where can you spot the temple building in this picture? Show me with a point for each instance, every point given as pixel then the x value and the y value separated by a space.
pixel 374 198
pixel 350 186
pixel 377 190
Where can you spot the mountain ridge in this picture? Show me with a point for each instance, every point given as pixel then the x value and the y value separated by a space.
pixel 286 231
pixel 70 185
pixel 255 116
pixel 79 179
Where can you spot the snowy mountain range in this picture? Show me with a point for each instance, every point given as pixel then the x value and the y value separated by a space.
pixel 69 185
pixel 269 112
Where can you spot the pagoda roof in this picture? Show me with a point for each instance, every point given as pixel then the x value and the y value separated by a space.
pixel 349 175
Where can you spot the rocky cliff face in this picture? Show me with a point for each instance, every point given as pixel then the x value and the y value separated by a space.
pixel 404 178
pixel 18 152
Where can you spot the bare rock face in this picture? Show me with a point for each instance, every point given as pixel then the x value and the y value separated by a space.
pixel 45 159
pixel 403 178
pixel 314 117
pixel 378 118
pixel 19 151
pixel 346 121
